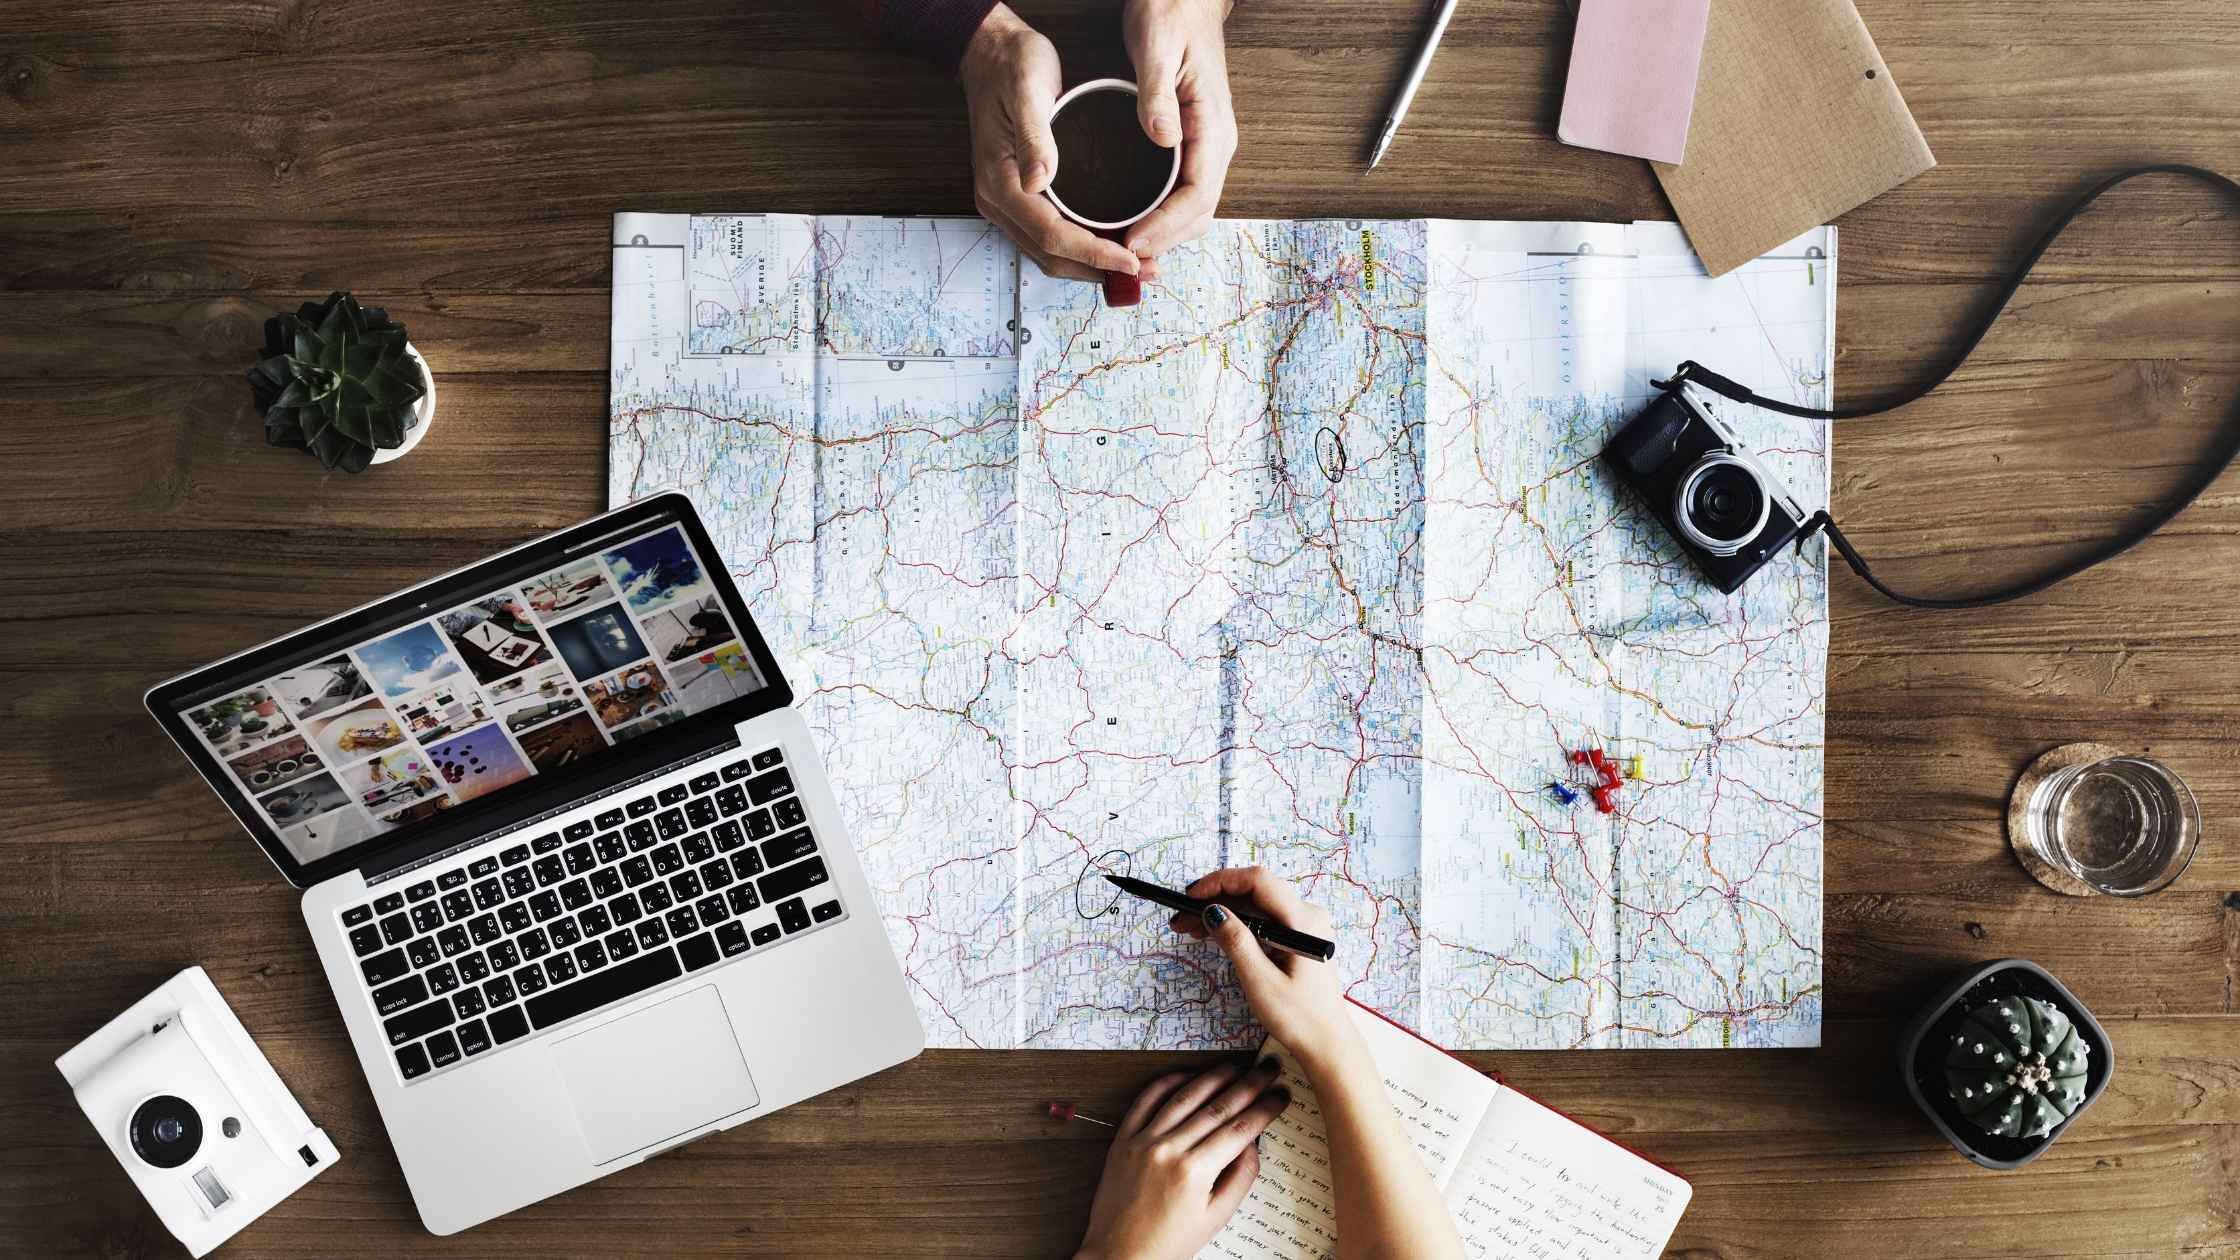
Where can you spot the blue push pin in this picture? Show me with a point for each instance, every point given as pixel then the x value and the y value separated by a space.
pixel 1562 793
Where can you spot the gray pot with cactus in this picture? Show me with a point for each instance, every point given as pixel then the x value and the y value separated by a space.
pixel 2003 1060
pixel 343 383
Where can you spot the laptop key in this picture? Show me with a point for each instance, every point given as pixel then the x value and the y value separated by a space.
pixel 715 874
pixel 768 757
pixel 389 903
pixel 760 826
pixel 457 904
pixel 826 912
pixel 698 847
pixel 742 899
pixel 365 940
pixel 382 968
pixel 515 856
pixel 426 918
pixel 443 1049
pixel 503 956
pixel 789 812
pixel 700 811
pixel 591 955
pixel 608 819
pixel 575 894
pixel 711 910
pixel 391 998
pixel 545 843
pixel 792 846
pixel 412 1061
pixel 706 782
pixel 737 770
pixel 767 787
pixel 670 823
pixel 621 945
pixel 685 884
pixel 421 891
pixel 544 905
pixel 578 830
pixel 452 940
pixel 641 807
pixel 482 866
pixel 732 800
pixel 499 991
pixel 594 920
pixel 484 928
pixel 765 934
pixel 793 915
pixel 508 1024
pixel 417 1022
pixel 637 870
pixel 441 979
pixel 456 877
pixel 422 951
pixel 519 882
pixel 514 915
pixel 579 859
pixel 667 859
pixel 789 880
pixel 746 862
pixel 549 870
pixel 698 951
pixel 610 847
pixel 396 929
pixel 674 793
pixel 468 1002
pixel 473 1038
pixel 560 968
pixel 655 898
pixel 530 979
pixel 639 835
pixel 681 922
pixel 472 968
pixel 624 908
pixel 488 894
pixel 727 836
pixel 609 986
pixel 356 915
pixel 533 944
pixel 651 933
pixel 733 938
pixel 564 933
pixel 606 882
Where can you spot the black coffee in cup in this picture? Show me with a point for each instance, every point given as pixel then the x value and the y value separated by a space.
pixel 1108 170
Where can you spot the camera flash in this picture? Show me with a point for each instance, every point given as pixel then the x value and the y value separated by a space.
pixel 213 1190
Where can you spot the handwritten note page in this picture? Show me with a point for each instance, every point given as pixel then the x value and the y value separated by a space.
pixel 1536 1185
pixel 1290 1213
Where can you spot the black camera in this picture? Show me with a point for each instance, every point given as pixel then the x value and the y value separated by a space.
pixel 1728 512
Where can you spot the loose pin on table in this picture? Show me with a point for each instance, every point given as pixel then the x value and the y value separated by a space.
pixel 1067 1111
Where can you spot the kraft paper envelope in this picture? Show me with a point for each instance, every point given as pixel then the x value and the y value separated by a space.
pixel 1797 120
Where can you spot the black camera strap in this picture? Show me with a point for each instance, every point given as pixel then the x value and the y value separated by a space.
pixel 2211 469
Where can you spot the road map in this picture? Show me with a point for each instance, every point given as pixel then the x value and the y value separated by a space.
pixel 1307 561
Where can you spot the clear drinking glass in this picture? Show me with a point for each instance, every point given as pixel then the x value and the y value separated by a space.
pixel 2125 826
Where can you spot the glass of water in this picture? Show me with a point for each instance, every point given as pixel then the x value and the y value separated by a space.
pixel 2125 826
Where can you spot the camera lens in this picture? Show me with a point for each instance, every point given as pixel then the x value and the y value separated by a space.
pixel 166 1131
pixel 1722 504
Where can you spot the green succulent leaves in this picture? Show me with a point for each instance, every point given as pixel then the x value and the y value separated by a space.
pixel 2016 1067
pixel 335 380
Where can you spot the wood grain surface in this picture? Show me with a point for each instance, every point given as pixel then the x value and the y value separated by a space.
pixel 171 172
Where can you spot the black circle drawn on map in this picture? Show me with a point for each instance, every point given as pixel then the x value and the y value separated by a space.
pixel 1103 864
pixel 1330 453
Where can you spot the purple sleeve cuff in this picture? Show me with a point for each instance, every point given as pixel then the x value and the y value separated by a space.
pixel 937 30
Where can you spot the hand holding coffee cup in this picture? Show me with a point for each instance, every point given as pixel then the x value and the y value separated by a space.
pixel 1110 174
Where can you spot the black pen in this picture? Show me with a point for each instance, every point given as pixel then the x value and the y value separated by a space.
pixel 1272 934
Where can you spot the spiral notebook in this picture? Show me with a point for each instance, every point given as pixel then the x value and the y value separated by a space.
pixel 1524 1181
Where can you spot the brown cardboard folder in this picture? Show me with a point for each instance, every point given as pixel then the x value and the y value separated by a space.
pixel 1797 120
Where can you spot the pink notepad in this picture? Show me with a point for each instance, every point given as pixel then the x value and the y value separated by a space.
pixel 1633 76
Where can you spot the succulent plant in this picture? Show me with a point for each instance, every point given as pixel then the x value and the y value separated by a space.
pixel 334 380
pixel 2016 1067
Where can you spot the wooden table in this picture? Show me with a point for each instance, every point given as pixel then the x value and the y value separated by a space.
pixel 172 172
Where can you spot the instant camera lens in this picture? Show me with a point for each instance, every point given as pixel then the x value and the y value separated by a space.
pixel 166 1131
pixel 1722 504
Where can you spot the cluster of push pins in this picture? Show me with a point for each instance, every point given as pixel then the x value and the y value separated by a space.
pixel 1609 780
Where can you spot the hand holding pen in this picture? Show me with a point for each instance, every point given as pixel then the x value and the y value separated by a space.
pixel 1300 1001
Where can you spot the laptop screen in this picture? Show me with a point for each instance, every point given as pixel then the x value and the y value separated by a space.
pixel 548 658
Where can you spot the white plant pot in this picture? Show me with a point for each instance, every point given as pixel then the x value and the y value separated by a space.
pixel 413 435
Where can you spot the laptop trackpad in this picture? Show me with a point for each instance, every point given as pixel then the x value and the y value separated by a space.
pixel 652 1075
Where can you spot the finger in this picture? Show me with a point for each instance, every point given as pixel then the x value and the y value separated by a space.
pixel 1189 925
pixel 1059 268
pixel 1255 971
pixel 1041 228
pixel 1235 1136
pixel 1156 49
pixel 1227 1105
pixel 1148 1101
pixel 1262 887
pixel 1235 1182
pixel 1212 143
pixel 1188 1098
pixel 1034 151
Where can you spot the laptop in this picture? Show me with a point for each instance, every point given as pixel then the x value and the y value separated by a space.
pixel 572 866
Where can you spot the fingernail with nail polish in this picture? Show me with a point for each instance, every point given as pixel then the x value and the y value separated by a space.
pixel 1216 916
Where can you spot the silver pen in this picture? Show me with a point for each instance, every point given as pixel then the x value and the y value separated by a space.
pixel 1415 80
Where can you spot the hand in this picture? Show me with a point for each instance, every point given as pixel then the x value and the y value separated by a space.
pixel 1297 999
pixel 1181 1162
pixel 1182 80
pixel 1011 79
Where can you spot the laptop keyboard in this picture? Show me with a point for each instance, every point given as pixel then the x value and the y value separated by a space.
pixel 535 932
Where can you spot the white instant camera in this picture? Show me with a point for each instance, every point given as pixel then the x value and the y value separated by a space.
pixel 190 1107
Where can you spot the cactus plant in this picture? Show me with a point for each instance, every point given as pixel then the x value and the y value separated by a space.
pixel 335 380
pixel 2016 1067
